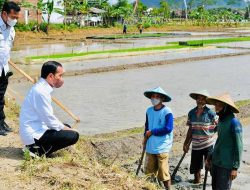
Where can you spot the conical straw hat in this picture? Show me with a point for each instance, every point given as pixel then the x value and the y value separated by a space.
pixel 225 98
pixel 202 93
pixel 158 90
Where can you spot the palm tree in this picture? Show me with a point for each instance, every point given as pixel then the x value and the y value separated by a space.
pixel 164 9
pixel 136 5
pixel 49 8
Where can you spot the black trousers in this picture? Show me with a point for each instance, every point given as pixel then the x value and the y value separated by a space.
pixel 53 140
pixel 3 88
pixel 220 178
pixel 197 158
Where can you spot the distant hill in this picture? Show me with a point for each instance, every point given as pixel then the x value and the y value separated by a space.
pixel 219 3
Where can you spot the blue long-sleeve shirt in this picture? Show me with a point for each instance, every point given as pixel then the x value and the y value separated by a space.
pixel 160 123
pixel 162 131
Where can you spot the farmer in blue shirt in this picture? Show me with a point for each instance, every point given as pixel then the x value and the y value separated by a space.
pixel 158 135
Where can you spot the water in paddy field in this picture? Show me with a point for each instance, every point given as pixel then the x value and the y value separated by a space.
pixel 19 52
pixel 111 101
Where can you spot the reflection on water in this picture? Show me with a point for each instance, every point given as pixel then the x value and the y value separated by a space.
pixel 111 101
pixel 19 53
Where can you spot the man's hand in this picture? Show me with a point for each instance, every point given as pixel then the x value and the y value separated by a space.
pixel 68 129
pixel 148 134
pixel 233 174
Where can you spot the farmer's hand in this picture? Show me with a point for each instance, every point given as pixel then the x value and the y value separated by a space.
pixel 185 148
pixel 148 134
pixel 233 174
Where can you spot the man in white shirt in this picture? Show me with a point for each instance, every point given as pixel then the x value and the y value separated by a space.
pixel 41 132
pixel 8 19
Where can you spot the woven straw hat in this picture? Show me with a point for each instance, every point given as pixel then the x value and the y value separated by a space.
pixel 225 98
pixel 202 93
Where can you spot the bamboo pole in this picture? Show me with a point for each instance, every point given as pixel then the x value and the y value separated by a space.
pixel 53 99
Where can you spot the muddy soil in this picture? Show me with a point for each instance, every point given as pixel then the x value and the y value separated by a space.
pixel 126 151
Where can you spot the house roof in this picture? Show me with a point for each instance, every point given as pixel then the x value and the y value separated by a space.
pixel 96 10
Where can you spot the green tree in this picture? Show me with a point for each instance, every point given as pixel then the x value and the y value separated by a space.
pixel 1 4
pixel 74 7
pixel 164 9
pixel 48 7
pixel 141 9
pixel 191 4
pixel 108 12
pixel 247 15
pixel 122 9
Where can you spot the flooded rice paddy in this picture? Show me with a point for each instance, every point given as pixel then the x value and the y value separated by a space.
pixel 111 101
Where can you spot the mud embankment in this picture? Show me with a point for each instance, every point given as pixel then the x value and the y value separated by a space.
pixel 125 150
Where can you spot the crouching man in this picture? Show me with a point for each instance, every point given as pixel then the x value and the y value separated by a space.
pixel 41 132
pixel 158 136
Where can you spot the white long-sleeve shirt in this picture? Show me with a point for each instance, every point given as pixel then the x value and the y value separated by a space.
pixel 7 35
pixel 37 113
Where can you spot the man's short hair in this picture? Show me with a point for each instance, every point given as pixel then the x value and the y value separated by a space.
pixel 10 5
pixel 49 67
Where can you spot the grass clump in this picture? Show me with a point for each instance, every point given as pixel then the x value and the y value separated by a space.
pixel 121 36
pixel 242 103
pixel 169 46
pixel 213 41
pixel 70 55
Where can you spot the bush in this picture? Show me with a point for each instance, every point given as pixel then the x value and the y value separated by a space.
pixel 43 26
pixel 26 27
pixel 146 25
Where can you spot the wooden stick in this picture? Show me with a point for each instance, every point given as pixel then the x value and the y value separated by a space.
pixel 54 99
pixel 142 156
pixel 205 180
pixel 141 160
pixel 179 163
pixel 177 167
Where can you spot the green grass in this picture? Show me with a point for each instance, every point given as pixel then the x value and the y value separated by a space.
pixel 171 45
pixel 242 103
pixel 216 41
pixel 120 36
pixel 69 55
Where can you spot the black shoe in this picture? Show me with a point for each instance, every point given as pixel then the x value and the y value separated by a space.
pixel 6 127
pixel 2 131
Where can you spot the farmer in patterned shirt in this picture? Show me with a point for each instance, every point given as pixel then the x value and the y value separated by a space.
pixel 201 132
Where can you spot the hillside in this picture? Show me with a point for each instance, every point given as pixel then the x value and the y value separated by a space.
pixel 219 3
